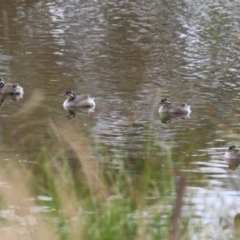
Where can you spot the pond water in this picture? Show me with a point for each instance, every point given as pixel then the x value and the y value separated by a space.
pixel 129 55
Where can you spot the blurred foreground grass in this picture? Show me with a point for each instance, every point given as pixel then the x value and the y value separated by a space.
pixel 68 191
pixel 90 202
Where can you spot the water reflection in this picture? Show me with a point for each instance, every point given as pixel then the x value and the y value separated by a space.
pixel 72 111
pixel 232 163
pixel 172 118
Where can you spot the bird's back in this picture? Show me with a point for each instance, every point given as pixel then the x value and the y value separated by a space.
pixel 84 101
pixel 81 98
pixel 179 107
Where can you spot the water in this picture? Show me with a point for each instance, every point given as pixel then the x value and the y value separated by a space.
pixel 129 55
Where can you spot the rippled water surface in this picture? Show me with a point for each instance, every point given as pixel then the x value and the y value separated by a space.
pixel 129 55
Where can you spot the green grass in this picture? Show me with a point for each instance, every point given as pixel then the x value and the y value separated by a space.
pixel 90 200
pixel 74 188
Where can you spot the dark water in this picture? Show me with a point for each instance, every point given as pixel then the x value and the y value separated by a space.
pixel 129 55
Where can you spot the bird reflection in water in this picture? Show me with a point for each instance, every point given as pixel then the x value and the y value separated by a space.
pixel 232 163
pixel 72 111
pixel 173 117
